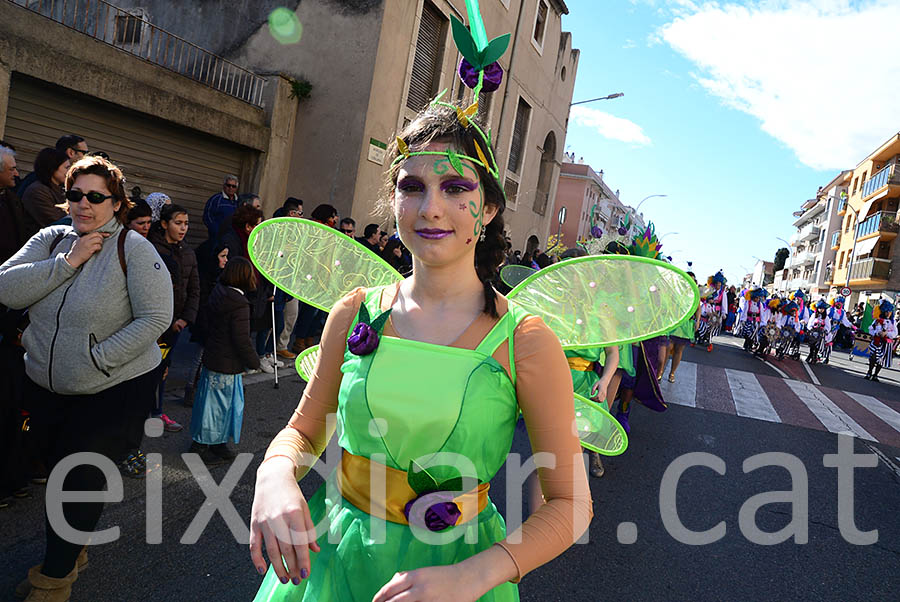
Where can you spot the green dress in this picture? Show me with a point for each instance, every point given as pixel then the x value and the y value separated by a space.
pixel 432 398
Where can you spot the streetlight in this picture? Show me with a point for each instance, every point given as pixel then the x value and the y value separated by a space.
pixel 609 97
pixel 645 198
pixel 666 234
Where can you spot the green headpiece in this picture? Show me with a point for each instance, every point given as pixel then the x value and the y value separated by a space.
pixel 479 70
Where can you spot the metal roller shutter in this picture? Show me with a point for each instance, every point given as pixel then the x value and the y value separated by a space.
pixel 156 155
pixel 426 62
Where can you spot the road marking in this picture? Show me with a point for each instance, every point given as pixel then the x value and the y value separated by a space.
pixel 810 372
pixel 781 372
pixel 887 461
pixel 876 407
pixel 684 390
pixel 749 398
pixel 832 417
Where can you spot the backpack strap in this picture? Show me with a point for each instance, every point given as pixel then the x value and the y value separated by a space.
pixel 56 242
pixel 121 248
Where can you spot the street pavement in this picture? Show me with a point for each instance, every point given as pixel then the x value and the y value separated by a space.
pixel 725 403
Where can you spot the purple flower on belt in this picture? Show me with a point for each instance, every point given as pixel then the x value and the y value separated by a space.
pixel 493 75
pixel 440 512
pixel 366 334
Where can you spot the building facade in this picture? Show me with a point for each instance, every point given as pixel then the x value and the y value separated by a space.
pixel 173 115
pixel 868 256
pixel 373 64
pixel 813 246
pixel 587 200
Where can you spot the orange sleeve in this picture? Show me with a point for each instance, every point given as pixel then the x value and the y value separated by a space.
pixel 307 431
pixel 544 391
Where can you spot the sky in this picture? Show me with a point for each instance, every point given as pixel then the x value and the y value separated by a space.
pixel 736 110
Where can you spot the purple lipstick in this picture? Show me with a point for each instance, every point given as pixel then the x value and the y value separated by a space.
pixel 433 233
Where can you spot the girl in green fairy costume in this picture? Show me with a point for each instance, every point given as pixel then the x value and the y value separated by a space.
pixel 439 362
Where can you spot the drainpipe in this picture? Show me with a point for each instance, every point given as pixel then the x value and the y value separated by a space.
pixel 512 58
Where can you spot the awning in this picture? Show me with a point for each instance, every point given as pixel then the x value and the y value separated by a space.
pixel 865 246
pixel 865 210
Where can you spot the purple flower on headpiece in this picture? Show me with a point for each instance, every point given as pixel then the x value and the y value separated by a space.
pixel 596 232
pixel 623 231
pixel 493 75
pixel 441 511
pixel 363 341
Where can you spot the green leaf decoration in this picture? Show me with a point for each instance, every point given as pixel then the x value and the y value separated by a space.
pixel 451 484
pixel 364 317
pixel 419 479
pixel 464 42
pixel 494 50
pixel 455 162
pixel 379 322
pixel 476 24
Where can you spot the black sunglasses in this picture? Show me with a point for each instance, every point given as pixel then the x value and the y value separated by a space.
pixel 347 231
pixel 94 198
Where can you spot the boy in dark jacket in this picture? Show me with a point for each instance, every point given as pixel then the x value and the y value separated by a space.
pixel 168 237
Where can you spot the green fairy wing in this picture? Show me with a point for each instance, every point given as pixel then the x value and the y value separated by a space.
pixel 597 429
pixel 605 300
pixel 315 263
pixel 513 274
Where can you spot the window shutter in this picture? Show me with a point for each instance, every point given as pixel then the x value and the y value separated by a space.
pixel 426 64
pixel 520 133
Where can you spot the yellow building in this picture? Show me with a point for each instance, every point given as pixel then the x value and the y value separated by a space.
pixel 869 227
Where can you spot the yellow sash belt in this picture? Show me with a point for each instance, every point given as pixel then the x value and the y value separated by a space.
pixel 354 480
pixel 580 364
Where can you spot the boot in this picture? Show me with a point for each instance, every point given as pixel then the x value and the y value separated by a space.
pixel 597 469
pixel 48 589
pixel 298 346
pixel 24 586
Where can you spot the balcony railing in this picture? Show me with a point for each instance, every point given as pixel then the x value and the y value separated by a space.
pixel 810 232
pixel 880 180
pixel 880 222
pixel 871 269
pixel 130 32
pixel 835 239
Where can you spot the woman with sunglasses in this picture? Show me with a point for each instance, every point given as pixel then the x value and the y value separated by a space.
pixel 98 297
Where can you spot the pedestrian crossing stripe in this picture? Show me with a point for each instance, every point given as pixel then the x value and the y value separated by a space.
pixel 787 401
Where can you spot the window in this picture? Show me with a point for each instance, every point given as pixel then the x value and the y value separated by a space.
pixel 540 24
pixel 128 27
pixel 511 188
pixel 520 134
pixel 427 61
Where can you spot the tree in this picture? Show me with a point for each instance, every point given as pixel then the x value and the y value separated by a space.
pixel 781 256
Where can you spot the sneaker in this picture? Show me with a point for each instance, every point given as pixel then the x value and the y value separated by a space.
pixel 265 365
pixel 286 354
pixel 709 347
pixel 169 424
pixel 223 451
pixel 130 467
pixel 206 454
pixel 274 361
pixel 4 503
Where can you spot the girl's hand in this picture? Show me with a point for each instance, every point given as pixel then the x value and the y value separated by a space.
pixel 431 584
pixel 280 518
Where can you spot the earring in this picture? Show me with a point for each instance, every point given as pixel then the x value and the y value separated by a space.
pixel 481 238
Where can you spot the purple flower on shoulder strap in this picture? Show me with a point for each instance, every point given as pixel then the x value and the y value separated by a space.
pixel 366 334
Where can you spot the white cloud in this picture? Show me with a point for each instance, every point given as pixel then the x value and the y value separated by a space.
pixel 610 126
pixel 822 76
pixel 629 44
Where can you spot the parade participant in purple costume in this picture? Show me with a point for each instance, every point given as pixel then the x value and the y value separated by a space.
pixel 838 316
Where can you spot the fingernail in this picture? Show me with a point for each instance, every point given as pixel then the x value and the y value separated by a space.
pixel 295 581
pixel 284 580
pixel 261 570
pixel 304 573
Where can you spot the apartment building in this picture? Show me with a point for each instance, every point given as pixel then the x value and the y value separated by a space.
pixel 868 256
pixel 587 200
pixel 813 244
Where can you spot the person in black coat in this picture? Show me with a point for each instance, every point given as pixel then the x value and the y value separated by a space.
pixel 219 401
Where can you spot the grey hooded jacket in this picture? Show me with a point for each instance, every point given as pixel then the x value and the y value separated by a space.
pixel 91 327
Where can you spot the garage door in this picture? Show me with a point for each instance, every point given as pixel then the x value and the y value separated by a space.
pixel 153 154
